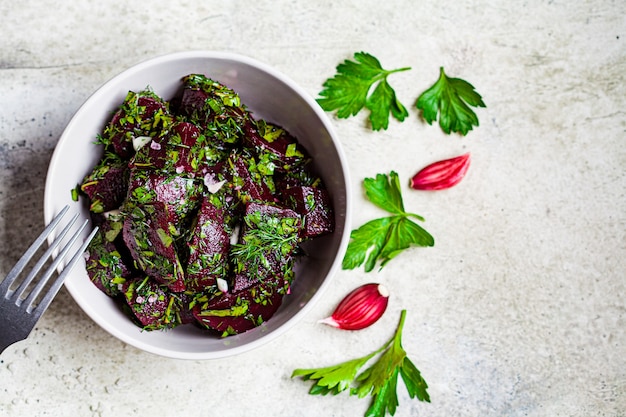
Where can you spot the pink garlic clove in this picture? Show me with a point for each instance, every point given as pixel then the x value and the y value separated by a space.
pixel 360 308
pixel 442 174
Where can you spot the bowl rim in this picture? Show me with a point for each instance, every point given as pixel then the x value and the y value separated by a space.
pixel 335 266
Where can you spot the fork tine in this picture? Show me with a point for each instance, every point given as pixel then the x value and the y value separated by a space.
pixel 53 266
pixel 56 285
pixel 44 258
pixel 19 266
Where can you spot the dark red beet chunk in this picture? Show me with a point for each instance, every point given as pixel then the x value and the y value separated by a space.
pixel 297 178
pixel 192 103
pixel 106 185
pixel 286 152
pixel 250 185
pixel 257 259
pixel 150 303
pixel 237 313
pixel 184 310
pixel 191 152
pixel 152 155
pixel 264 210
pixel 208 249
pixel 279 271
pixel 105 264
pixel 267 216
pixel 184 137
pixel 215 108
pixel 148 235
pixel 181 150
pixel 141 114
pixel 314 205
pixel 179 195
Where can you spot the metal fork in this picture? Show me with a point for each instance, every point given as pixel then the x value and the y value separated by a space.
pixel 19 311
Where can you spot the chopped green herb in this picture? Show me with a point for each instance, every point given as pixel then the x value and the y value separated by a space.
pixel 236 310
pixel 165 237
pixel 75 193
pixel 268 131
pixel 292 150
pixel 267 238
pixel 114 232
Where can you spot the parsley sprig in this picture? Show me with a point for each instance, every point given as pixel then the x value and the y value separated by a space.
pixel 379 380
pixel 384 238
pixel 349 91
pixel 352 89
pixel 451 98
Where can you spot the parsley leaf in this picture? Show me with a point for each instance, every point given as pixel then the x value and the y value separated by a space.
pixel 380 240
pixel 347 92
pixel 333 379
pixel 385 192
pixel 379 380
pixel 451 98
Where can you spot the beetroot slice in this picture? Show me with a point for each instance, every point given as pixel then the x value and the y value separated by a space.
pixel 191 151
pixel 237 313
pixel 182 150
pixel 151 304
pixel 153 155
pixel 264 253
pixel 179 195
pixel 141 114
pixel 184 309
pixel 260 212
pixel 279 271
pixel 105 264
pixel 208 249
pixel 148 235
pixel 215 108
pixel 296 178
pixel 186 140
pixel 248 182
pixel 314 205
pixel 106 185
pixel 286 152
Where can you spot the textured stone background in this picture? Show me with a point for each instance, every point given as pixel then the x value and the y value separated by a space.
pixel 519 308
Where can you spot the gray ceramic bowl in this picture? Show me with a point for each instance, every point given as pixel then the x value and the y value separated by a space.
pixel 269 95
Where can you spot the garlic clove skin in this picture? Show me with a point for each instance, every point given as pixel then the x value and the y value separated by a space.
pixel 361 308
pixel 442 174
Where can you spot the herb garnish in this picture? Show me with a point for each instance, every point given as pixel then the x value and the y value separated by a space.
pixel 266 238
pixel 451 98
pixel 380 380
pixel 349 91
pixel 382 239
